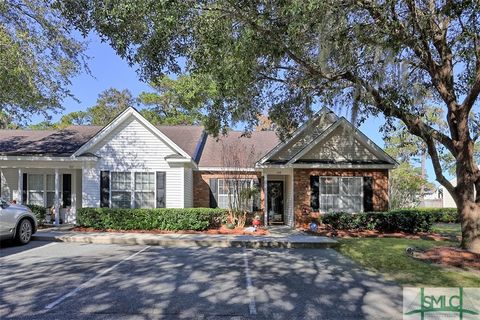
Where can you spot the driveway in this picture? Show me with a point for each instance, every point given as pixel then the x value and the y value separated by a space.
pixel 75 281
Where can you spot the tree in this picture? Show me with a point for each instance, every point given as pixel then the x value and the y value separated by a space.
pixel 110 104
pixel 284 56
pixel 406 185
pixel 176 102
pixel 237 182
pixel 38 57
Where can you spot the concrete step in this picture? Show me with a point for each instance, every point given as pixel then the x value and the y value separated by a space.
pixel 188 240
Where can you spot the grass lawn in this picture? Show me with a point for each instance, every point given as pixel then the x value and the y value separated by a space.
pixel 388 257
pixel 447 228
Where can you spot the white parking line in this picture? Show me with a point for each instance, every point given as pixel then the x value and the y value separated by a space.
pixel 30 250
pixel 251 294
pixel 89 282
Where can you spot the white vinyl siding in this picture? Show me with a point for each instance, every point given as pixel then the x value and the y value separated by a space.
pixel 341 194
pixel 133 147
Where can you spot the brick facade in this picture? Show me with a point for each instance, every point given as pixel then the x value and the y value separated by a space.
pixel 201 187
pixel 301 181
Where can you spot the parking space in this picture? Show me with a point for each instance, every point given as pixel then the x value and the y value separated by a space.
pixel 60 280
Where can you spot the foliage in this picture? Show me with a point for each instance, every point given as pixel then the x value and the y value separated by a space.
pixel 176 102
pixel 110 103
pixel 148 219
pixel 387 256
pixel 410 221
pixel 38 57
pixel 406 185
pixel 39 212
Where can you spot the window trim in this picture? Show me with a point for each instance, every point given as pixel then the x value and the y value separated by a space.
pixel 132 186
pixel 45 191
pixel 339 192
pixel 250 182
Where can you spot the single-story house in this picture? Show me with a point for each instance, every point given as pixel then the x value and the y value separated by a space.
pixel 327 164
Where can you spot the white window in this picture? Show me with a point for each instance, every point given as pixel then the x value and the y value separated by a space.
pixel 144 190
pixel 35 189
pixel 121 189
pixel 50 190
pixel 341 194
pixel 230 194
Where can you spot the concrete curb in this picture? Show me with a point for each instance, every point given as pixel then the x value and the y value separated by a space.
pixel 185 241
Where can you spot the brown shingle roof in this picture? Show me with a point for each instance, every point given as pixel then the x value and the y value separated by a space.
pixel 190 138
pixel 248 149
pixel 186 137
pixel 45 142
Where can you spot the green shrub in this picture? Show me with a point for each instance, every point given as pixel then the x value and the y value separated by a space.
pixel 445 215
pixel 409 221
pixel 39 212
pixel 148 219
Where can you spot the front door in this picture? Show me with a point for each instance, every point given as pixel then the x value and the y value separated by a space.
pixel 275 202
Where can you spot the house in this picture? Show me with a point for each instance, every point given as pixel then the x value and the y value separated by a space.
pixel 326 165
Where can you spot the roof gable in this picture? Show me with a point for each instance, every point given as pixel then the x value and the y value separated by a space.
pixel 127 115
pixel 311 129
pixel 342 142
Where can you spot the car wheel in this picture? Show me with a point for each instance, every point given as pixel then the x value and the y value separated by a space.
pixel 24 231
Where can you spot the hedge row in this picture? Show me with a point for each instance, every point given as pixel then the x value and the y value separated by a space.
pixel 39 212
pixel 445 215
pixel 148 219
pixel 392 221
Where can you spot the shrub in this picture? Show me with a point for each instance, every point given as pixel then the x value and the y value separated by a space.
pixel 148 219
pixel 39 212
pixel 409 221
pixel 445 215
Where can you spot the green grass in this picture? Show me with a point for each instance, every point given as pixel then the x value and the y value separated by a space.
pixel 447 228
pixel 387 256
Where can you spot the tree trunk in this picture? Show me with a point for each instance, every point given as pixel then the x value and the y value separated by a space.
pixel 470 219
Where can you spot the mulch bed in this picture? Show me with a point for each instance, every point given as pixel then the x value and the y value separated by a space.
pixel 449 256
pixel 327 232
pixel 221 230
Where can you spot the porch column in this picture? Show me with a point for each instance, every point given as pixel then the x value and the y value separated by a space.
pixel 57 197
pixel 265 196
pixel 20 186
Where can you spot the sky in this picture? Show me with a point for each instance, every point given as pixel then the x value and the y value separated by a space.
pixel 109 71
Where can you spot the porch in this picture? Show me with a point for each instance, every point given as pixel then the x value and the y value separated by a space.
pixel 278 198
pixel 53 183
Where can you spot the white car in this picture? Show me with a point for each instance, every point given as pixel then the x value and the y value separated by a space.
pixel 16 222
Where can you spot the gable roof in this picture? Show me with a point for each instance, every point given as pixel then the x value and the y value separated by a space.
pixel 299 139
pixel 126 114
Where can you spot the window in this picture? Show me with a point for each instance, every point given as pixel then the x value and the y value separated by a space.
pixel 121 190
pixel 341 194
pixel 230 193
pixel 50 190
pixel 35 189
pixel 144 190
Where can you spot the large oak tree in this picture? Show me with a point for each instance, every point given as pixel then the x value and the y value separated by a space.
pixel 373 56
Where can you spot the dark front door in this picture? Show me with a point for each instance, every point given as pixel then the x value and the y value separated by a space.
pixel 275 202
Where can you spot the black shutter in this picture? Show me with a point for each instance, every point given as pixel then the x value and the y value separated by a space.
pixel 24 191
pixel 161 193
pixel 67 190
pixel 314 192
pixel 213 193
pixel 256 198
pixel 367 194
pixel 104 189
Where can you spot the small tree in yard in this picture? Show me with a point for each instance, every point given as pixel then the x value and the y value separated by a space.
pixel 237 181
pixel 284 56
pixel 407 186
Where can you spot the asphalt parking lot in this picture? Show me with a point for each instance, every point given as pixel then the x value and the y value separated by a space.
pixel 45 280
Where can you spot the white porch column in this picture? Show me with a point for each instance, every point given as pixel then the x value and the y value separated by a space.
pixel 265 198
pixel 20 186
pixel 57 197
